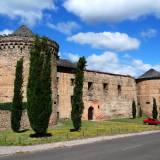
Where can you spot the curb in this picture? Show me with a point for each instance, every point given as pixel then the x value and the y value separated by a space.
pixel 34 148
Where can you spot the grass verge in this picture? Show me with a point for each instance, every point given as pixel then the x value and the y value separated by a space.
pixel 89 129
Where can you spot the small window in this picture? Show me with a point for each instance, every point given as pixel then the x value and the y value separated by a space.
pixel 57 80
pixel 90 86
pixel 147 102
pixel 71 99
pixel 119 90
pixel 105 86
pixel 57 99
pixel 72 82
pixel 57 115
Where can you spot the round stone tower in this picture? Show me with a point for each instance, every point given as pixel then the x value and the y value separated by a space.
pixel 12 48
pixel 148 87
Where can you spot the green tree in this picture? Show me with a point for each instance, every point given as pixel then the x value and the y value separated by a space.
pixel 154 111
pixel 77 100
pixel 134 110
pixel 39 92
pixel 140 111
pixel 17 108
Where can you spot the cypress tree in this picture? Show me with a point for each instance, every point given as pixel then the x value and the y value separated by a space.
pixel 77 101
pixel 134 110
pixel 17 108
pixel 140 111
pixel 39 87
pixel 154 111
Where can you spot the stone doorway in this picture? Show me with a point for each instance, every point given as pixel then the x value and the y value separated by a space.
pixel 90 113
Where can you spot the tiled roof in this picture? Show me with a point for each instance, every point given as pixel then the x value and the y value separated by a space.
pixel 23 31
pixel 151 74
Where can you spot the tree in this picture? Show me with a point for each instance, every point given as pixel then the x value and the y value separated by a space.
pixel 134 110
pixel 140 111
pixel 17 108
pixel 77 100
pixel 39 94
pixel 154 111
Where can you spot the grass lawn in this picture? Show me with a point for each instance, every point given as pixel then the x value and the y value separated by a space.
pixel 89 129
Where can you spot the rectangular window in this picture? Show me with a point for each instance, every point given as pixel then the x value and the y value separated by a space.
pixel 119 90
pixel 57 80
pixel 105 86
pixel 57 99
pixel 57 115
pixel 90 86
pixel 71 99
pixel 72 82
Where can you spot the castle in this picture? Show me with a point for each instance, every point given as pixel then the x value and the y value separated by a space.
pixel 105 95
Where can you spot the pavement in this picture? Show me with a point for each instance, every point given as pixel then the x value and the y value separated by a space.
pixel 135 146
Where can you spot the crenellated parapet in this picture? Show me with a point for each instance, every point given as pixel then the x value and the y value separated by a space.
pixel 20 42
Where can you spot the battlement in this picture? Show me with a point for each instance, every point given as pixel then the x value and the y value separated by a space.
pixel 22 39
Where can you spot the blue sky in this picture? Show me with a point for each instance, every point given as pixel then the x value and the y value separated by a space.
pixel 118 36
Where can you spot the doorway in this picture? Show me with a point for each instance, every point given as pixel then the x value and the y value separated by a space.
pixel 90 113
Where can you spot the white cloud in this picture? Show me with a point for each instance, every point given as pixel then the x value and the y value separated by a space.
pixel 73 57
pixel 29 11
pixel 6 32
pixel 64 27
pixel 112 63
pixel 106 40
pixel 112 10
pixel 150 33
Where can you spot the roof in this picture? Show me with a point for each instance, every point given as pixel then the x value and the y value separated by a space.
pixel 66 64
pixel 151 74
pixel 23 31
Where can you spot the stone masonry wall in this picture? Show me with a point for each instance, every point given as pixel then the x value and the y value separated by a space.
pixel 12 49
pixel 103 95
pixel 5 123
pixel 147 90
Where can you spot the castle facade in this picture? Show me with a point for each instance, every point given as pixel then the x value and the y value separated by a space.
pixel 105 95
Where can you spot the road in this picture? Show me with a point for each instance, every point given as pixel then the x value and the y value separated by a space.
pixel 146 147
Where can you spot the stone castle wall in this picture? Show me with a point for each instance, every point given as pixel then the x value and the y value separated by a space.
pixel 146 91
pixel 12 48
pixel 110 96
pixel 5 122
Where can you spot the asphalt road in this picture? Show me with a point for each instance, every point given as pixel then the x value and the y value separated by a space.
pixel 146 147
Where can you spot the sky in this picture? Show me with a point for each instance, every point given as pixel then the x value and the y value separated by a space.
pixel 116 36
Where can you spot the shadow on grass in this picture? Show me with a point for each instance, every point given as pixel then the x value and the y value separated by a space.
pixel 22 131
pixel 74 130
pixel 37 135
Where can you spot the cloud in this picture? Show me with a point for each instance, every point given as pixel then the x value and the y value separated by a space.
pixel 6 32
pixel 64 27
pixel 106 40
pixel 29 11
pixel 150 33
pixel 112 10
pixel 112 63
pixel 73 57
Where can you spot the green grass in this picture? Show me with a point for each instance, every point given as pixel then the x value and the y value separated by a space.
pixel 89 129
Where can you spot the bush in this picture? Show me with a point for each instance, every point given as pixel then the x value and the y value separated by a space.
pixel 9 105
